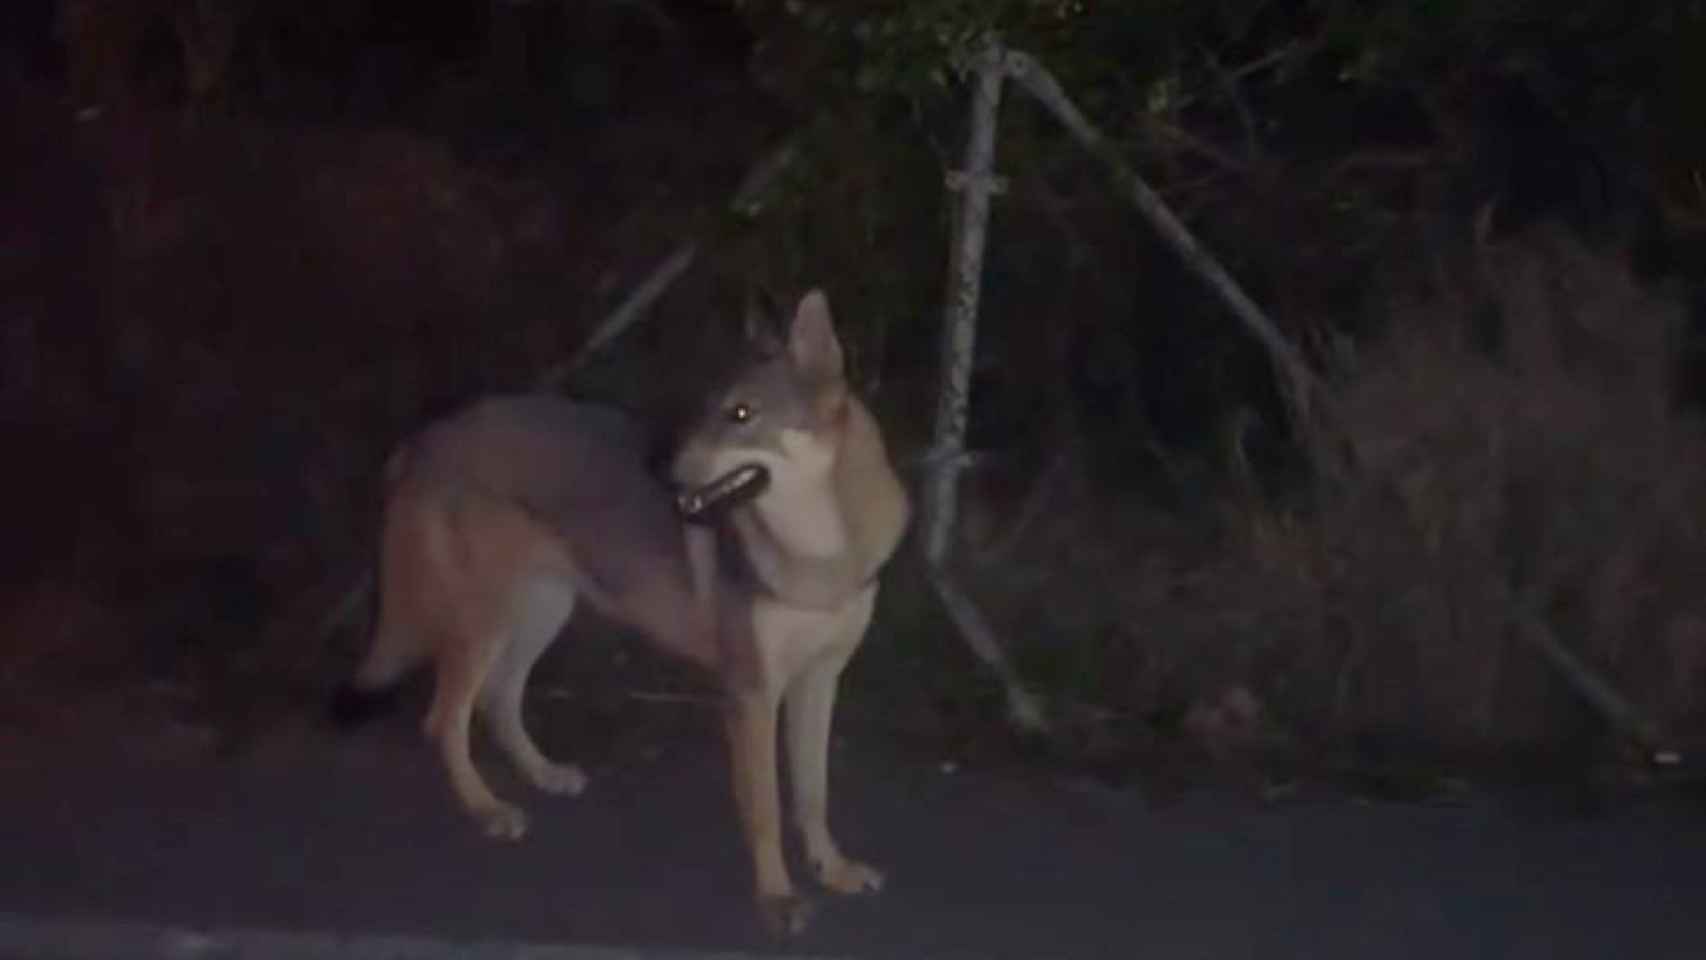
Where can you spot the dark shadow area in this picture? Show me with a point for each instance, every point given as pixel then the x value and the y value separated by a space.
pixel 247 248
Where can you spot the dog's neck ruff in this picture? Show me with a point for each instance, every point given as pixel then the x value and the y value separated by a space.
pixel 817 567
pixel 822 596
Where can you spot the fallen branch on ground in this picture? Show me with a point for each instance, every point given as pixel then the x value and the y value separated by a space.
pixel 1622 714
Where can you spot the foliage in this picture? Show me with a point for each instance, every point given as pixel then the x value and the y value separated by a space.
pixel 1544 469
pixel 1314 145
pixel 1612 71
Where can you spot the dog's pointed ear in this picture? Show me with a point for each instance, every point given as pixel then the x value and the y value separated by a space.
pixel 761 319
pixel 811 338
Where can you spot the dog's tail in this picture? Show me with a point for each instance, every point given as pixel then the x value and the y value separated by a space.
pixel 376 687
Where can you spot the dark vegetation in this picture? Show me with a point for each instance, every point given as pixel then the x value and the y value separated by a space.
pixel 247 246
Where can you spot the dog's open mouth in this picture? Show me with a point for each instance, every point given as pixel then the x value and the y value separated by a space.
pixel 706 503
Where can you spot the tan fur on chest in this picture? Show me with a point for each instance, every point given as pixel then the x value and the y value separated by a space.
pixel 788 639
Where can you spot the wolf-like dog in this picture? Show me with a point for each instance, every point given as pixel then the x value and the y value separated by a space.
pixel 757 558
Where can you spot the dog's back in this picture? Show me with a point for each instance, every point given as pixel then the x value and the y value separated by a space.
pixel 576 470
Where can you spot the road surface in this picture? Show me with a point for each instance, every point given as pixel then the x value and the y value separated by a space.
pixel 323 837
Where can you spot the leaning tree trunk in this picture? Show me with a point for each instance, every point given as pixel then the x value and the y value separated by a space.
pixel 974 183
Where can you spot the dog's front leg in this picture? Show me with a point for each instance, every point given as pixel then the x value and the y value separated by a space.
pixel 752 747
pixel 811 710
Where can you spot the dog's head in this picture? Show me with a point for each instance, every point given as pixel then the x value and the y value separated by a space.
pixel 777 418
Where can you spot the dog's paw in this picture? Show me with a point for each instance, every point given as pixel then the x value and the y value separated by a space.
pixel 784 916
pixel 848 876
pixel 562 779
pixel 502 822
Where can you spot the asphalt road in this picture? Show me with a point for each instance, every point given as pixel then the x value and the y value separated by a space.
pixel 328 838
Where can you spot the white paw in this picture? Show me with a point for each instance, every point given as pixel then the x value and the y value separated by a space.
pixel 848 876
pixel 562 779
pixel 784 915
pixel 502 821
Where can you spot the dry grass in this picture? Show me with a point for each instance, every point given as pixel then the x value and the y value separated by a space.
pixel 1545 462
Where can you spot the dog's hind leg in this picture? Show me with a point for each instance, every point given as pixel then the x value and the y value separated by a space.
pixel 541 608
pixel 461 673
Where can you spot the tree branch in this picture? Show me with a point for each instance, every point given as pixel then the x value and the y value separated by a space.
pixel 975 182
pixel 1300 382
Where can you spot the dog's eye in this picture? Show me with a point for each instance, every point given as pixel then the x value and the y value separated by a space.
pixel 739 412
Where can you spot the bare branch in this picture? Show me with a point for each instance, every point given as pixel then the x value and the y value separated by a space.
pixel 1595 689
pixel 975 183
pixel 1300 382
pixel 1024 710
pixel 631 309
pixel 959 331
pixel 1381 161
pixel 1219 156
pixel 1235 95
pixel 1273 58
pixel 1041 495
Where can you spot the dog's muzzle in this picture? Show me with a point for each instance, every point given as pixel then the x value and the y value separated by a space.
pixel 705 504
